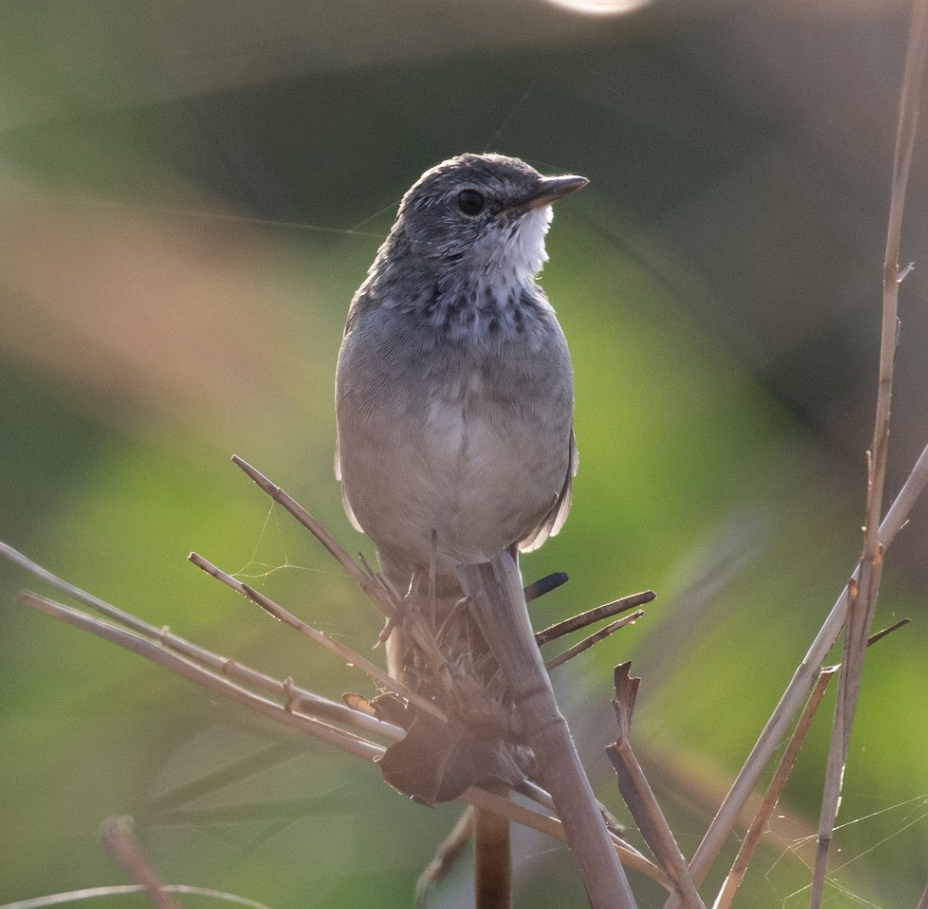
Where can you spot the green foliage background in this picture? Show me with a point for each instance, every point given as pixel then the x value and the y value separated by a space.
pixel 191 195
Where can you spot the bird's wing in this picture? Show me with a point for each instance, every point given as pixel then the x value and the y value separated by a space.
pixel 554 520
pixel 345 503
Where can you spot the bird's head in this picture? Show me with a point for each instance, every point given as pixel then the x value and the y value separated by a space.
pixel 486 214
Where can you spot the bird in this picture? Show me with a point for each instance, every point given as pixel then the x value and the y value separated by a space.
pixel 454 385
pixel 454 399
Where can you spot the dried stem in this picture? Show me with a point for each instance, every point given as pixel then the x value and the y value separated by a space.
pixel 772 795
pixel 495 592
pixel 639 796
pixel 309 522
pixel 338 738
pixel 95 893
pixel 377 588
pixel 118 837
pixel 606 611
pixel 865 590
pixel 445 856
pixel 798 688
pixel 295 696
pixel 493 857
pixel 318 637
pixel 780 777
pixel 592 639
pixel 183 657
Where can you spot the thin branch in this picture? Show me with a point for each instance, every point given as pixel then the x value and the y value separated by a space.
pixel 773 793
pixel 89 600
pixel 374 585
pixel 308 521
pixel 498 603
pixel 446 855
pixel 879 635
pixel 798 688
pixel 318 637
pixel 781 776
pixel 344 741
pixel 118 837
pixel 297 697
pixel 592 639
pixel 492 857
pixel 92 893
pixel 156 650
pixel 638 795
pixel 865 591
pixel 552 826
pixel 606 611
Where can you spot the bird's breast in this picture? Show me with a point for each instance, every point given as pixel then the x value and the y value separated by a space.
pixel 469 440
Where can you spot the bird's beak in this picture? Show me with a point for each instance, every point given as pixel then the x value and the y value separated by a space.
pixel 548 190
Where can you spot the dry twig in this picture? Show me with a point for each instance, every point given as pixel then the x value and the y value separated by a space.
pixel 495 592
pixel 772 795
pixel 796 691
pixel 592 639
pixel 584 619
pixel 95 893
pixel 865 588
pixel 640 798
pixel 319 637
pixel 780 776
pixel 296 707
pixel 118 836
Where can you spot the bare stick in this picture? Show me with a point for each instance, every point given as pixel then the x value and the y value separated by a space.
pixel 772 795
pixel 493 865
pixel 553 827
pixel 318 637
pixel 307 520
pixel 879 635
pixel 373 584
pixel 923 902
pixel 865 591
pixel 495 591
pixel 799 686
pixel 295 695
pixel 181 656
pixel 639 796
pixel 575 623
pixel 93 893
pixel 780 777
pixel 592 639
pixel 344 741
pixel 98 605
pixel 119 838
pixel 445 856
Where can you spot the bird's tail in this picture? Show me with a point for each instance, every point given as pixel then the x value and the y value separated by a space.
pixel 439 601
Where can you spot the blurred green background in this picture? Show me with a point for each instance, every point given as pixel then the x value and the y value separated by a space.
pixel 190 194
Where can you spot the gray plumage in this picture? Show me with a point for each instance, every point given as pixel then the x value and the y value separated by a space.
pixel 454 388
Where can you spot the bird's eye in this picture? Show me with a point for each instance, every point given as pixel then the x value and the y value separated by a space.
pixel 470 201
